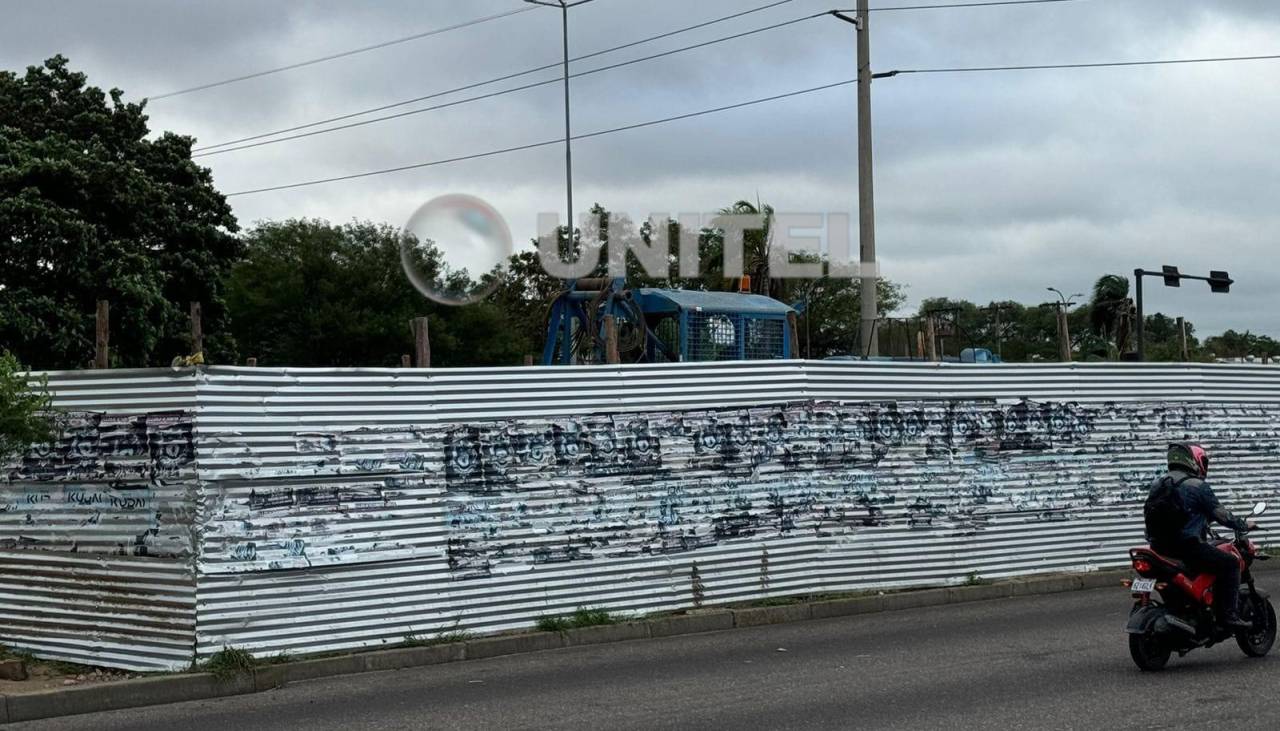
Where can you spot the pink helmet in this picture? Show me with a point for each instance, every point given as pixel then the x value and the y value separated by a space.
pixel 1189 456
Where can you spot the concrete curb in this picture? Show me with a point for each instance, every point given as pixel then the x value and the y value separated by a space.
pixel 202 686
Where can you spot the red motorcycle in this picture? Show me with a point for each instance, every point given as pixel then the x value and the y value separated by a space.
pixel 1183 618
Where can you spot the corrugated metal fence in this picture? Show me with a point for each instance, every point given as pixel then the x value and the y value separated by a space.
pixel 341 508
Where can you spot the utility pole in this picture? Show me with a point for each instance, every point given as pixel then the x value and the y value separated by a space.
pixel 866 195
pixel 1182 339
pixel 568 146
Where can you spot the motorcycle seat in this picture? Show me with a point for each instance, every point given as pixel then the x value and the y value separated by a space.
pixel 1150 554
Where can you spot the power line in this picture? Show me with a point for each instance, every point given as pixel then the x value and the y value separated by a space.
pixel 967 5
pixel 517 74
pixel 515 11
pixel 546 143
pixel 490 95
pixel 738 105
pixel 496 79
pixel 1107 64
pixel 342 54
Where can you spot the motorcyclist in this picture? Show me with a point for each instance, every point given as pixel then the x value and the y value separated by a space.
pixel 1188 468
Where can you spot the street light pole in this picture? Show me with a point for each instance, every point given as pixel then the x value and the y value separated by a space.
pixel 568 145
pixel 1064 333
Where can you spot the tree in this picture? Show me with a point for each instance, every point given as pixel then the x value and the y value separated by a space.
pixel 1111 311
pixel 309 293
pixel 1232 344
pixel 90 208
pixel 1164 341
pixel 23 410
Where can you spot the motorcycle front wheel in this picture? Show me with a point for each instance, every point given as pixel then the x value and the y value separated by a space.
pixel 1258 610
pixel 1149 651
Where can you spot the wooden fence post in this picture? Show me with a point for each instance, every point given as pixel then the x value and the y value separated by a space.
pixel 406 361
pixel 421 342
pixel 931 338
pixel 611 341
pixel 102 339
pixel 528 359
pixel 197 330
pixel 251 362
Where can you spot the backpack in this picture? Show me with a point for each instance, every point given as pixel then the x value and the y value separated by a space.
pixel 1164 513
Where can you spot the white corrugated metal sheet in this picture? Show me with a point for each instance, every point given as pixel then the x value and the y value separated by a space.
pixel 342 508
pixel 97 531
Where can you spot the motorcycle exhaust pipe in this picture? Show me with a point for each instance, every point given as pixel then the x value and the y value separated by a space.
pixel 1167 622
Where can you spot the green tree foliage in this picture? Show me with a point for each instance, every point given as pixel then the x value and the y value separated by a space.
pixel 1232 344
pixel 1164 342
pixel 1014 331
pixel 24 410
pixel 90 208
pixel 309 293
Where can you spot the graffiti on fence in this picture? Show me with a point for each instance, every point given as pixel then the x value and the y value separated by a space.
pixel 525 494
pixel 108 483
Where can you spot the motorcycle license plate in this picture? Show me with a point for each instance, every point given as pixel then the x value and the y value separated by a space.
pixel 1143 586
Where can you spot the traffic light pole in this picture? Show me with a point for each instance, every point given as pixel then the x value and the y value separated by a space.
pixel 1142 320
pixel 1219 282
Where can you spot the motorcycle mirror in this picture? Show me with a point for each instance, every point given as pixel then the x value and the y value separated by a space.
pixel 1259 508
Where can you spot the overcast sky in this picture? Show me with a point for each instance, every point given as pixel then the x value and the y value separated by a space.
pixel 988 186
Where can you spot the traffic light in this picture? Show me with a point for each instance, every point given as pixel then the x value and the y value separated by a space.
pixel 1220 282
pixel 1171 276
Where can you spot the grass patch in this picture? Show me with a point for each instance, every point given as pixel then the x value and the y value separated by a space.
pixel 453 635
pixel 9 653
pixel 781 601
pixel 581 617
pixel 229 662
pixel 447 637
pixel 974 580
pixel 62 667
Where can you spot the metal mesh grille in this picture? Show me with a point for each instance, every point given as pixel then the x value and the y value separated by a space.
pixel 729 336
pixel 763 339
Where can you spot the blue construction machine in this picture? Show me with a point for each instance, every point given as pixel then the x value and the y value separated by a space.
pixel 601 320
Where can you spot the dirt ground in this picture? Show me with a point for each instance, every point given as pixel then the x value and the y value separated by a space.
pixel 55 675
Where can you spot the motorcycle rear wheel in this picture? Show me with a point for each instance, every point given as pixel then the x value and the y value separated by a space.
pixel 1149 652
pixel 1257 609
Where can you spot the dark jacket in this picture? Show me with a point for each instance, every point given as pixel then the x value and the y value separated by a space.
pixel 1201 504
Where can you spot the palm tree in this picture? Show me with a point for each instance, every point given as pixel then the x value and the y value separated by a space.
pixel 1111 311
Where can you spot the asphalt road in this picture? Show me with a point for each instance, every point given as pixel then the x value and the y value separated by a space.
pixel 1058 661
